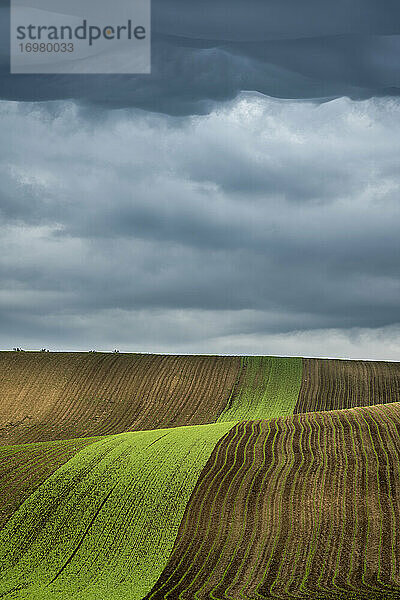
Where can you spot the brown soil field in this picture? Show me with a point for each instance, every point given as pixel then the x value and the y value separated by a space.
pixel 336 384
pixel 305 506
pixel 52 396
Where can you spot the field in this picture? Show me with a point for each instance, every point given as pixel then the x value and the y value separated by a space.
pixel 150 477
pixel 335 384
pixel 101 517
pixel 293 507
pixel 48 397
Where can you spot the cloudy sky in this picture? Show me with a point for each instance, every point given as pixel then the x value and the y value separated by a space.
pixel 243 198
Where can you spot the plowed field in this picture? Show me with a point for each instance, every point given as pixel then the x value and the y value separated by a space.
pixel 336 384
pixel 306 506
pixel 49 396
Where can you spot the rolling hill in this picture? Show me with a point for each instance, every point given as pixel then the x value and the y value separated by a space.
pixel 155 477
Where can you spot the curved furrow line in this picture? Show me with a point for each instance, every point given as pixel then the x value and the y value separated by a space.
pixel 258 530
pixel 318 492
pixel 373 555
pixel 269 388
pixel 165 389
pixel 240 506
pixel 305 517
pixel 326 582
pixel 388 483
pixel 133 413
pixel 72 405
pixel 146 395
pixel 235 567
pixel 68 408
pixel 121 392
pixel 153 392
pixel 356 518
pixel 171 578
pixel 284 573
pixel 394 446
pixel 28 469
pixel 272 566
pixel 304 504
pixel 284 523
pixel 291 566
pixel 190 402
pixel 393 430
pixel 337 384
pixel 385 485
pixel 110 544
pixel 266 541
pixel 300 507
pixel 368 575
pixel 64 396
pixel 224 486
pixel 336 483
pixel 273 505
pixel 221 535
pixel 216 462
pixel 127 409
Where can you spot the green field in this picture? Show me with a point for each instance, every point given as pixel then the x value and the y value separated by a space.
pixel 269 388
pixel 110 515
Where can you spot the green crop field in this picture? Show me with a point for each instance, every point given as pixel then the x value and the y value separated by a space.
pixel 269 388
pixel 109 514
pixel 147 477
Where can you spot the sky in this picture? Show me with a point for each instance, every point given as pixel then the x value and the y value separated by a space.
pixel 241 199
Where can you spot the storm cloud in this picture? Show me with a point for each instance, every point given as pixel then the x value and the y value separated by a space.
pixel 265 226
pixel 243 198
pixel 206 53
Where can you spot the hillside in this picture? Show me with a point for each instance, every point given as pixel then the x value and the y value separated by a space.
pixel 53 396
pixel 183 477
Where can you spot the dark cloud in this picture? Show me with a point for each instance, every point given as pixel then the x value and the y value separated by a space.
pixel 261 219
pixel 208 52
pixel 216 219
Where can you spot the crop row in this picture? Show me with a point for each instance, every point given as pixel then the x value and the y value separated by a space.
pixel 268 387
pixel 299 507
pixel 336 384
pixel 104 524
pixel 24 467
